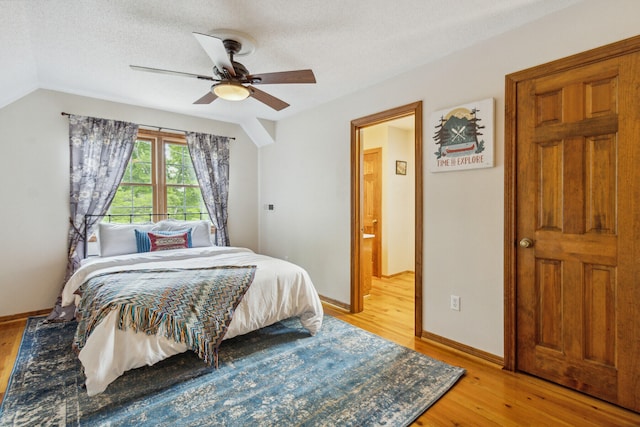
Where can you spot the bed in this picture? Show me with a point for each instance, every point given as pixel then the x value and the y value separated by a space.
pixel 278 290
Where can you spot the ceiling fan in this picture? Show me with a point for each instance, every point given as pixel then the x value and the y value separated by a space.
pixel 232 80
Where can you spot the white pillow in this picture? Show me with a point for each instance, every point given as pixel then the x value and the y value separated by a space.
pixel 200 230
pixel 119 239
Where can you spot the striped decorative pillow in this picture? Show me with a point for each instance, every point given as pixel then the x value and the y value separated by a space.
pixel 160 242
pixel 143 241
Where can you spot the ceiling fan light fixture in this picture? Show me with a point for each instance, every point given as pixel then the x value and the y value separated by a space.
pixel 231 91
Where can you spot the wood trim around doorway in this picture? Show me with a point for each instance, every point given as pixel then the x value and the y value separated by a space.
pixel 356 202
pixel 620 48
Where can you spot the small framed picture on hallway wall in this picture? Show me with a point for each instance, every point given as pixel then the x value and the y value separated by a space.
pixel 463 137
pixel 401 167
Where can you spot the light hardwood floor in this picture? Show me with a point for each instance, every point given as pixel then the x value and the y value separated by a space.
pixel 484 396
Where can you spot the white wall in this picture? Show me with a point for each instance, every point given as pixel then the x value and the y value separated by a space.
pixel 34 172
pixel 306 173
pixel 398 205
pixel 398 194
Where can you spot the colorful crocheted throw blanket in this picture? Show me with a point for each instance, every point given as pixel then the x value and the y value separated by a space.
pixel 190 306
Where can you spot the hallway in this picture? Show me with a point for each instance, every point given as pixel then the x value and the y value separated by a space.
pixel 390 306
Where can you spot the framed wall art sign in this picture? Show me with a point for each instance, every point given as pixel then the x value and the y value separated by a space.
pixel 462 137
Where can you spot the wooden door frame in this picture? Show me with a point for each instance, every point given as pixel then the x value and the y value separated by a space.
pixel 357 299
pixel 613 50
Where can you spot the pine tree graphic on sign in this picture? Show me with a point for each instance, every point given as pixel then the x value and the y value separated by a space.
pixel 457 134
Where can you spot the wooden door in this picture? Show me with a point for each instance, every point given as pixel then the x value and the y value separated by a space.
pixel 372 212
pixel 578 228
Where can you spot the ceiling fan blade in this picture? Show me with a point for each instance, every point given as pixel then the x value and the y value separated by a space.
pixel 171 73
pixel 270 100
pixel 216 51
pixel 298 76
pixel 208 98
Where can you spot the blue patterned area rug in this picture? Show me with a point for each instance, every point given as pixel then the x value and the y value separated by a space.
pixel 278 376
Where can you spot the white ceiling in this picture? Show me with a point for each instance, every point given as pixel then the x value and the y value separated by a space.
pixel 85 47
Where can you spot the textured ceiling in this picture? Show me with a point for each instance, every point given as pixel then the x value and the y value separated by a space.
pixel 85 47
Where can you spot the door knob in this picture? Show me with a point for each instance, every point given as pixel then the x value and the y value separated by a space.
pixel 526 243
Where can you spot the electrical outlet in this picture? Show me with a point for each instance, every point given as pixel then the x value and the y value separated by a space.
pixel 455 303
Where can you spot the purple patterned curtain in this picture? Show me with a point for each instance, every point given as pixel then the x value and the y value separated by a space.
pixel 99 152
pixel 210 156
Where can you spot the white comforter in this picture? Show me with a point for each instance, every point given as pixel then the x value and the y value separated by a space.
pixel 279 290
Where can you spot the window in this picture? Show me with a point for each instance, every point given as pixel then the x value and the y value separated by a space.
pixel 159 178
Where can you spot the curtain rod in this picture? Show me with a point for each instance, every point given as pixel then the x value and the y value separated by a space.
pixel 157 127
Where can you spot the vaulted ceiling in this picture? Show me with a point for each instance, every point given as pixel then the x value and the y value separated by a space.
pixel 85 47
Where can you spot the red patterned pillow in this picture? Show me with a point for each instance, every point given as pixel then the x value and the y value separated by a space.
pixel 160 242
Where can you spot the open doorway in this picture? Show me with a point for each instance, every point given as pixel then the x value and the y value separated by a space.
pixel 364 220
